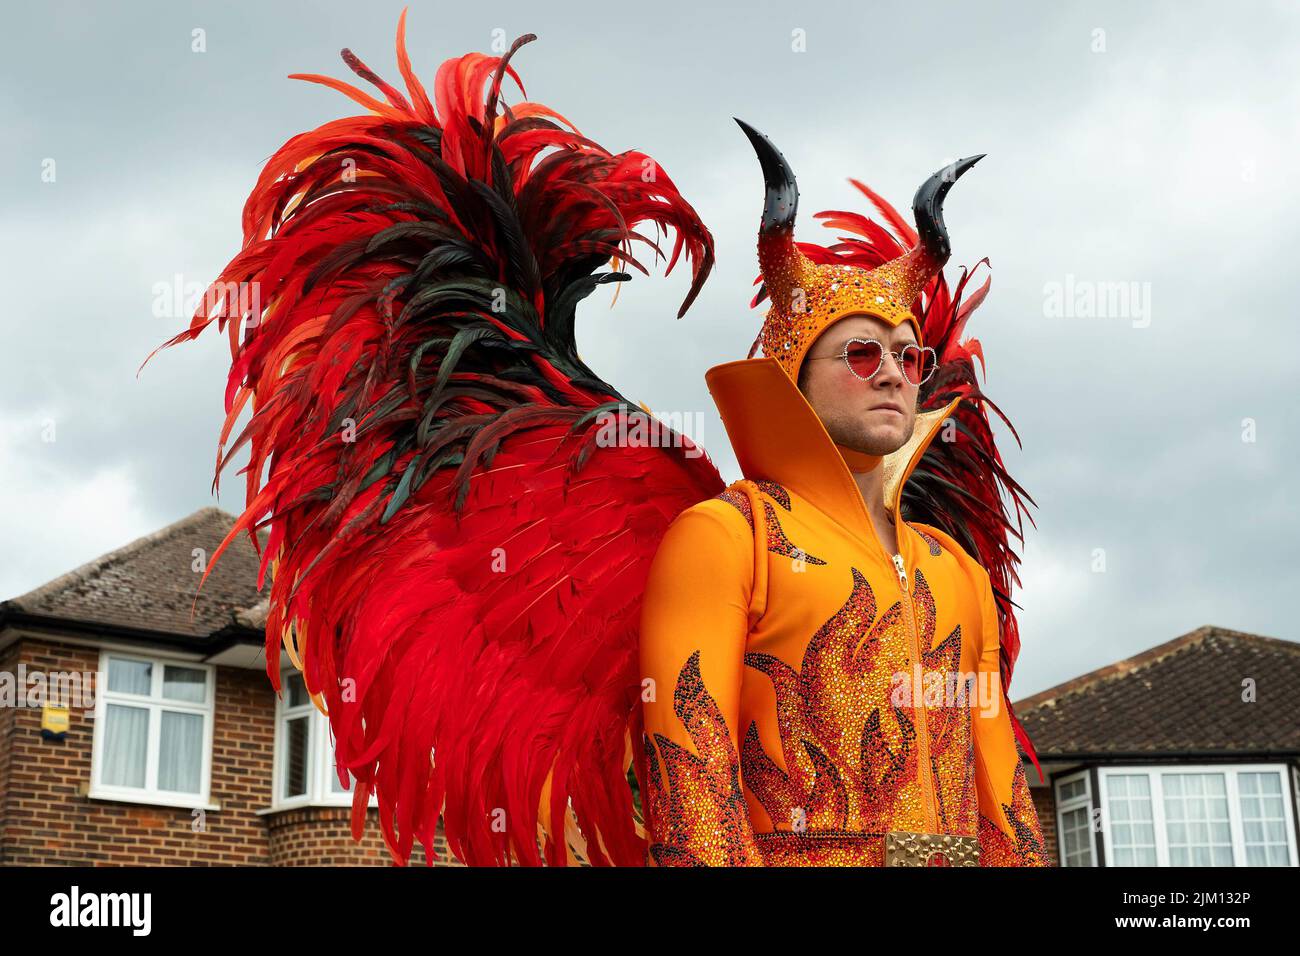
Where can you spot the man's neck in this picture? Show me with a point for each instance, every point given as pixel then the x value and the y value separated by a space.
pixel 870 479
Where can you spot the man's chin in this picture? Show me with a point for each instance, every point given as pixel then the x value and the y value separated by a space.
pixel 882 440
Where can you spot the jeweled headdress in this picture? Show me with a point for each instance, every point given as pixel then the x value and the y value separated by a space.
pixel 808 296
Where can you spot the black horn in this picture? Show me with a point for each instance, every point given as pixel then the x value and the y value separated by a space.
pixel 782 199
pixel 927 207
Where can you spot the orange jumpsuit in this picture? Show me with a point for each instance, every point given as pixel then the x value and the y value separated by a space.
pixel 810 699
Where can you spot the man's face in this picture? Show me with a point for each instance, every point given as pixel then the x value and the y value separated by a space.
pixel 875 416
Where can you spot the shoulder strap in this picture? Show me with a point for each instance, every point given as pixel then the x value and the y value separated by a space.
pixel 758 511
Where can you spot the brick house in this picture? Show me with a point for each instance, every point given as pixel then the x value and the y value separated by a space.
pixel 1187 754
pixel 182 754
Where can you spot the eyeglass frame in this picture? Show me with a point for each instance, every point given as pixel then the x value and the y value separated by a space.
pixel 897 356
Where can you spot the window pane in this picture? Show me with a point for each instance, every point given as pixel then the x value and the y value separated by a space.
pixel 295 757
pixel 126 736
pixel 335 786
pixel 185 683
pixel 295 691
pixel 1263 822
pixel 1196 819
pixel 130 677
pixel 180 753
pixel 1133 836
pixel 1077 840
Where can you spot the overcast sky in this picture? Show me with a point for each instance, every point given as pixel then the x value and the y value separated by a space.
pixel 1150 147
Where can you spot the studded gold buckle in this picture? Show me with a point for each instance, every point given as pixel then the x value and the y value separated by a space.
pixel 906 848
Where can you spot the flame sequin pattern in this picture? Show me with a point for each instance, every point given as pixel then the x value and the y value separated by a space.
pixel 998 849
pixel 699 811
pixel 777 541
pixel 850 753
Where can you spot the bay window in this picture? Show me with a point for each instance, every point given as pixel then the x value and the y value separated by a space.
pixel 1224 815
pixel 304 772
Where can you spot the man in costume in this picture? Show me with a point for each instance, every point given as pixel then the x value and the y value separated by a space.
pixel 457 560
pixel 824 674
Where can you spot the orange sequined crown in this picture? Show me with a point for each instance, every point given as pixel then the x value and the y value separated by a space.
pixel 807 296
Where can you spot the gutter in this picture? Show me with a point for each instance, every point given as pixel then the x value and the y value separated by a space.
pixel 219 640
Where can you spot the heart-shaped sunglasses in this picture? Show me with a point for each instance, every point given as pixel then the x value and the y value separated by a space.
pixel 864 357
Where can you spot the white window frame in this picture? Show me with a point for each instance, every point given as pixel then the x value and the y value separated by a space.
pixel 155 703
pixel 1230 772
pixel 320 757
pixel 1064 806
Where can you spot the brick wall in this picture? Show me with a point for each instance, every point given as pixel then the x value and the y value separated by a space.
pixel 322 836
pixel 9 664
pixel 45 818
pixel 1045 805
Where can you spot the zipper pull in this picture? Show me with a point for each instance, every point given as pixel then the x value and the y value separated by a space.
pixel 902 572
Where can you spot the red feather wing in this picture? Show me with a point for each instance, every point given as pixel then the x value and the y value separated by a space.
pixel 458 554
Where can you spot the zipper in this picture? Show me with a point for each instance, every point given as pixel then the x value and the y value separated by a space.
pixel 924 771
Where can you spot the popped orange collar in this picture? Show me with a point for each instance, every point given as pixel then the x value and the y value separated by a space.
pixel 857 461
pixel 777 436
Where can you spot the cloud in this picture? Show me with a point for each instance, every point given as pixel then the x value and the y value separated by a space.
pixel 60 517
pixel 1164 161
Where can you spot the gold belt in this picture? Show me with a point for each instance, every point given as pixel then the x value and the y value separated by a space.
pixel 906 848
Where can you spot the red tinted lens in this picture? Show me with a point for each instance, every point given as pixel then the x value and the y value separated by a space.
pixel 918 363
pixel 864 358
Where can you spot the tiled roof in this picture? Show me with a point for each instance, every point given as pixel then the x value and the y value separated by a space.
pixel 1182 697
pixel 150 584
